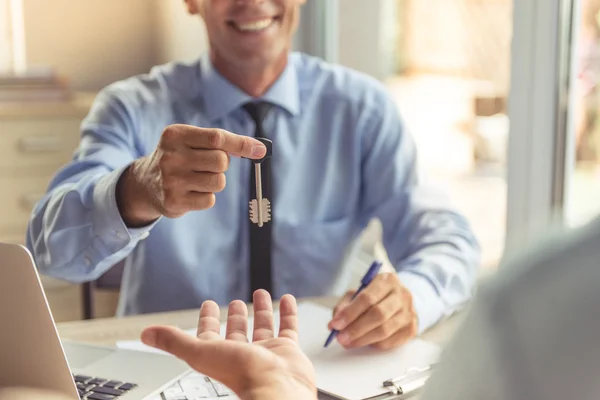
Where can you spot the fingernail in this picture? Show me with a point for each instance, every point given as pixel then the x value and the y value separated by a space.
pixel 149 337
pixel 343 338
pixel 258 150
pixel 338 324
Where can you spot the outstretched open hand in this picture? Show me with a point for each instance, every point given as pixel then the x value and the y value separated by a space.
pixel 269 367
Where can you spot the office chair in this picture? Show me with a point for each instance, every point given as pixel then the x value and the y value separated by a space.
pixel 111 280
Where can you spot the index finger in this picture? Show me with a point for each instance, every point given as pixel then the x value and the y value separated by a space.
pixel 209 324
pixel 369 297
pixel 169 339
pixel 219 139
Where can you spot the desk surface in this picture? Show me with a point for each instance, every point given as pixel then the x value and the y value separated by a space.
pixel 107 331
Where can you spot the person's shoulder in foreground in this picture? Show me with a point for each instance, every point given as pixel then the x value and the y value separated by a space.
pixel 533 330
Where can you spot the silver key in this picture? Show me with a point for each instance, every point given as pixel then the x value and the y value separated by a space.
pixel 260 208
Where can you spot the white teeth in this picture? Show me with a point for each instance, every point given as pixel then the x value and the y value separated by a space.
pixel 255 26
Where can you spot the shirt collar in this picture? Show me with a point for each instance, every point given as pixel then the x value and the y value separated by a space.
pixel 222 97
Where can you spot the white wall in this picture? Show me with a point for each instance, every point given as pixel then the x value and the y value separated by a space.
pixel 93 43
pixel 178 35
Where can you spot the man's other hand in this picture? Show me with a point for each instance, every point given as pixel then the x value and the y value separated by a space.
pixel 263 367
pixel 182 174
pixel 382 315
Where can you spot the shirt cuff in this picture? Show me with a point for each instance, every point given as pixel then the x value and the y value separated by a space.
pixel 426 300
pixel 108 223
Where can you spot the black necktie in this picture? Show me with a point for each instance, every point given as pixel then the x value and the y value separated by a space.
pixel 260 237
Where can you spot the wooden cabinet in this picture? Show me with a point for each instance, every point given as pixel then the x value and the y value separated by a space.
pixel 36 139
pixel 40 142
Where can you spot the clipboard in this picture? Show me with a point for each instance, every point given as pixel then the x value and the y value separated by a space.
pixel 363 374
pixel 402 387
pixel 407 385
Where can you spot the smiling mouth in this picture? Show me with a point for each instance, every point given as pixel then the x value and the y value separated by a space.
pixel 253 26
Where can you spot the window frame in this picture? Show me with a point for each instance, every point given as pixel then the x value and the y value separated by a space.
pixel 541 141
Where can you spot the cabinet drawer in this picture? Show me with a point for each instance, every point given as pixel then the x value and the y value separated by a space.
pixel 19 196
pixel 27 143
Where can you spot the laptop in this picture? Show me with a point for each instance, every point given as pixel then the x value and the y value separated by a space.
pixel 32 355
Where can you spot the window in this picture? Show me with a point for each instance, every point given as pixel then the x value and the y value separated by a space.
pixel 582 178
pixel 447 65
pixel 12 37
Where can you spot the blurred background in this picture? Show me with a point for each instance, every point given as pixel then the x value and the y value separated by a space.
pixel 447 63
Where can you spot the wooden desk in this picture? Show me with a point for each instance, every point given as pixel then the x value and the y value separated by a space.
pixel 107 331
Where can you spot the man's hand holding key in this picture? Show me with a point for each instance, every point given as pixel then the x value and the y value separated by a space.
pixel 182 174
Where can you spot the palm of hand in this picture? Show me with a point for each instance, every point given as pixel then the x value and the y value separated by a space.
pixel 277 361
pixel 285 354
pixel 262 364
pixel 265 369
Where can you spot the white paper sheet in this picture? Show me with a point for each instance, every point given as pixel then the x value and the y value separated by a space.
pixel 355 374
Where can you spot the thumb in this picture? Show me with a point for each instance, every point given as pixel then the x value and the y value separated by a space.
pixel 214 358
pixel 170 339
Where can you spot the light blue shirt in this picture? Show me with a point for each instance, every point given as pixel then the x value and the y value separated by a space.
pixel 342 157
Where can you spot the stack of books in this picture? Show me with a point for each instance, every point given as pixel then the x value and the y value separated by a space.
pixel 36 85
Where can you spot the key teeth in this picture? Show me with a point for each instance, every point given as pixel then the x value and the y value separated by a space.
pixel 253 212
pixel 266 211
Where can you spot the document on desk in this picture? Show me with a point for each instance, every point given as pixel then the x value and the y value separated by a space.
pixel 344 374
pixel 356 374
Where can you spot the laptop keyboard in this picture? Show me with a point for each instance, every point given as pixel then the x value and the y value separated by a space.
pixel 101 389
pixel 195 386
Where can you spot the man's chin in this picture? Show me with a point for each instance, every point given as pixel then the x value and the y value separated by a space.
pixel 259 59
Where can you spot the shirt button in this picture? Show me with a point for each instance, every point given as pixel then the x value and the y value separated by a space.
pixel 119 234
pixel 87 261
pixel 144 235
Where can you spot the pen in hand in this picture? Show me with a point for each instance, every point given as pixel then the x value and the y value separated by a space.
pixel 365 281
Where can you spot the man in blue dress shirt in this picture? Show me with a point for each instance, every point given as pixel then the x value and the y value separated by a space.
pixel 153 184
